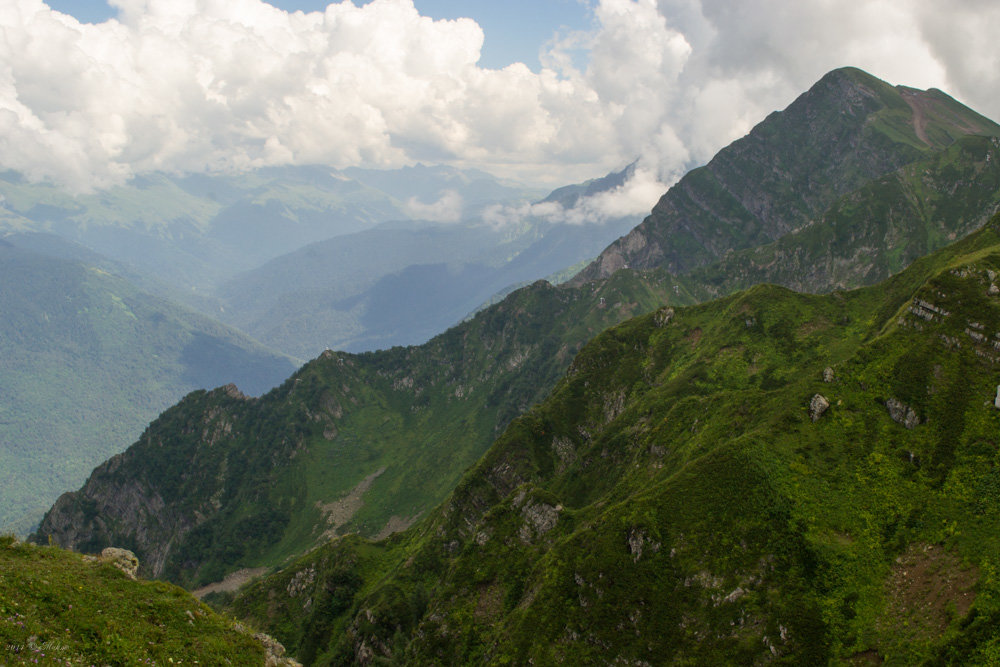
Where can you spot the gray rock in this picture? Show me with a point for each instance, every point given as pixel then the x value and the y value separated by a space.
pixel 902 413
pixel 541 517
pixel 663 317
pixel 123 559
pixel 817 406
pixel 828 374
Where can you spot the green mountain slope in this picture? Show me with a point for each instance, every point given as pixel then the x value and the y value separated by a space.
pixel 769 476
pixel 363 443
pixel 847 129
pixel 875 231
pixel 59 609
pixel 87 360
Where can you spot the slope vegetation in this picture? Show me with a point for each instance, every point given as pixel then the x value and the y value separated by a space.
pixel 363 443
pixel 769 476
pixel 371 442
pixel 57 608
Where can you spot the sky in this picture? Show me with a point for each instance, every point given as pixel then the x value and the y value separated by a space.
pixel 514 30
pixel 548 92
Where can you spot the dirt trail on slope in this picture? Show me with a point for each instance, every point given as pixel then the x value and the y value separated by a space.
pixel 232 582
pixel 339 512
pixel 919 120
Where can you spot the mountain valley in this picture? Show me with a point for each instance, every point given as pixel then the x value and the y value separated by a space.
pixel 670 456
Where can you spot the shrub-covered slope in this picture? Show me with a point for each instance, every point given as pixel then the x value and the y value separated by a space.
pixel 387 435
pixel 767 477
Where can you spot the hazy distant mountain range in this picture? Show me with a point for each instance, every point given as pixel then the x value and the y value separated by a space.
pixel 308 258
pixel 193 231
pixel 359 282
pixel 88 360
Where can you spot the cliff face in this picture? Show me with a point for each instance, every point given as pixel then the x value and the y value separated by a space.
pixel 846 130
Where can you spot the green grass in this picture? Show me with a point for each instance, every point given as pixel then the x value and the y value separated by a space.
pixel 57 609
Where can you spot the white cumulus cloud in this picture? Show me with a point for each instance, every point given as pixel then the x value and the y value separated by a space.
pixel 196 85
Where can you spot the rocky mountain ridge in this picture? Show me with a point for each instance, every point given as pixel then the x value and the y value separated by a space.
pixel 849 128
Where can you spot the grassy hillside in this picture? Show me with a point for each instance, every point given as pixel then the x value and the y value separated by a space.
pixel 370 443
pixel 769 476
pixel 58 609
pixel 87 361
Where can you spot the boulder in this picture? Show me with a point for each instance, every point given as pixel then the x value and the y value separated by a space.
pixel 902 413
pixel 123 559
pixel 817 406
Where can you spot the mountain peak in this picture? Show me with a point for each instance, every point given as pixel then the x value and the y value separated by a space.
pixel 848 128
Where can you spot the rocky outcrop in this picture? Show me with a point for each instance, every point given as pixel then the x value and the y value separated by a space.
pixel 539 518
pixel 902 413
pixel 123 559
pixel 274 651
pixel 818 406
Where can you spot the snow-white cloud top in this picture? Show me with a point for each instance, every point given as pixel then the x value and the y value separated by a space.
pixel 210 85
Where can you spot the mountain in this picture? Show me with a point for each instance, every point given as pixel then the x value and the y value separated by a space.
pixel 366 443
pixel 569 195
pixel 399 283
pixel 370 443
pixel 873 232
pixel 190 232
pixel 88 359
pixel 770 476
pixel 846 130
pixel 426 185
pixel 193 231
pixel 60 608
